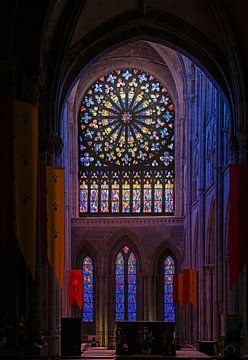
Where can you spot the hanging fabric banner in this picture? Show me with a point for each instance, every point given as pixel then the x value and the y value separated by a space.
pixel 6 164
pixel 55 221
pixel 238 220
pixel 76 288
pixel 186 286
pixel 25 180
pixel 193 287
pixel 175 288
pixel 180 288
pixel 42 213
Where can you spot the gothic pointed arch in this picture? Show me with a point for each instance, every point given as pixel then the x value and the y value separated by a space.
pixel 85 259
pixel 167 264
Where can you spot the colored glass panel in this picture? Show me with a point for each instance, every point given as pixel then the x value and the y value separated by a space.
pixel 169 197
pixel 125 283
pixel 147 207
pixel 88 284
pixel 131 287
pixel 115 199
pixel 126 197
pixel 94 197
pixel 169 271
pixel 104 197
pixel 158 197
pixel 119 288
pixel 84 198
pixel 136 197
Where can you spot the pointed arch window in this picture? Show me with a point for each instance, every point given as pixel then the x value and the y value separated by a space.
pixel 168 303
pixel 125 285
pixel 126 130
pixel 88 284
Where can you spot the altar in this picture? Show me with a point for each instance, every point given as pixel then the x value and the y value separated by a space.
pixel 145 338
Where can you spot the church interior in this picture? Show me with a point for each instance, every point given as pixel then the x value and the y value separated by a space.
pixel 124 144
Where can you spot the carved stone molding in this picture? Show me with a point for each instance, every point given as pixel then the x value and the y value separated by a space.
pixel 132 220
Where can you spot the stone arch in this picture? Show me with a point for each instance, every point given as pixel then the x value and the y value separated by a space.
pixel 124 239
pixel 171 31
pixel 86 249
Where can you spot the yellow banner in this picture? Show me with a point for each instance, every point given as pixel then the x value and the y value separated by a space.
pixel 25 179
pixel 55 221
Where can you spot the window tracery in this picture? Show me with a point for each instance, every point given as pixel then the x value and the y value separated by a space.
pixel 126 145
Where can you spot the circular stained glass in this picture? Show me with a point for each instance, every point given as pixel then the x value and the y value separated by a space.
pixel 126 118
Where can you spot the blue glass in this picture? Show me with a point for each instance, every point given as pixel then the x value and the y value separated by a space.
pixel 88 284
pixel 169 271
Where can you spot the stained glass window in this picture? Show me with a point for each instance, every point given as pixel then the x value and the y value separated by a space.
pixel 125 285
pixel 104 195
pixel 94 194
pixel 169 271
pixel 137 194
pixel 126 137
pixel 88 284
pixel 158 194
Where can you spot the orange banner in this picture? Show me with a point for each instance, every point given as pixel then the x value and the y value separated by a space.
pixel 25 179
pixel 55 221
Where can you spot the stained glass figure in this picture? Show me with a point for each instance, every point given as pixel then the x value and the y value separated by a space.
pixel 158 194
pixel 94 194
pixel 104 195
pixel 83 194
pixel 88 284
pixel 169 196
pixel 137 194
pixel 126 127
pixel 169 271
pixel 119 288
pixel 125 285
pixel 131 287
pixel 147 207
pixel 126 195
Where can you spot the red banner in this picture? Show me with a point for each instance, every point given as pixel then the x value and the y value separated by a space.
pixel 175 288
pixel 186 286
pixel 238 220
pixel 76 288
pixel 193 287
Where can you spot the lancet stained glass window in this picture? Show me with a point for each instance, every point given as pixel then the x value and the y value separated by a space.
pixel 126 146
pixel 168 271
pixel 88 284
pixel 125 285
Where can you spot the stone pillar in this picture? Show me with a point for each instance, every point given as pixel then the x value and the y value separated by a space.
pixel 219 237
pixel 51 294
